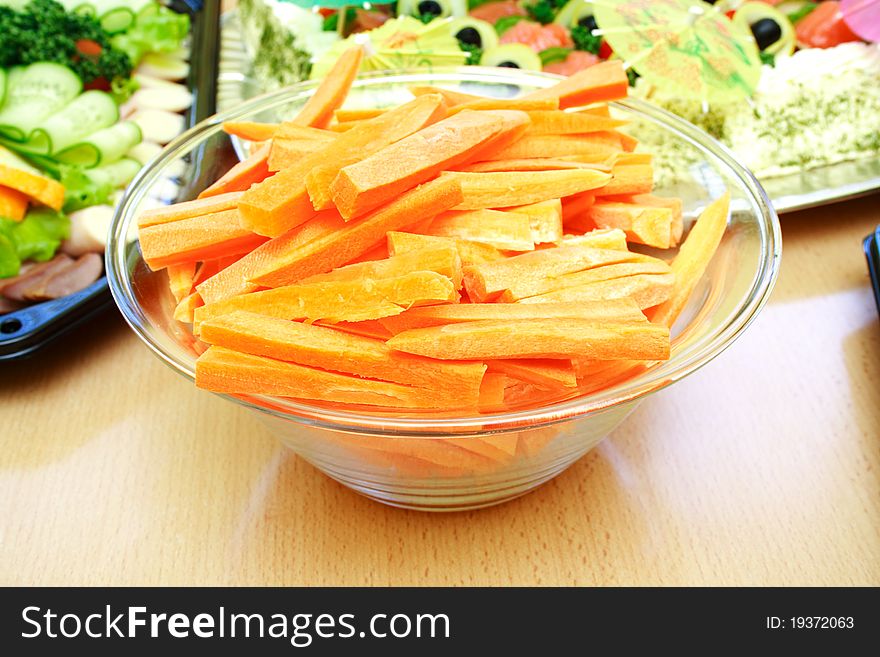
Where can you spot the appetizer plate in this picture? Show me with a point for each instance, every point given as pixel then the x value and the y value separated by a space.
pixel 795 191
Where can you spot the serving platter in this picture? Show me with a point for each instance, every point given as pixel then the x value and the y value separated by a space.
pixel 795 191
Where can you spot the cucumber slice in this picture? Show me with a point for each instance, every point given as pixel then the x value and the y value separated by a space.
pixel 102 147
pixel 118 20
pixel 34 93
pixel 117 174
pixel 87 113
pixel 10 159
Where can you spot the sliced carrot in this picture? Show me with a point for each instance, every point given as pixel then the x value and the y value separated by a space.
pixel 349 301
pixel 42 189
pixel 250 130
pixel 601 82
pixel 596 110
pixel 575 211
pixel 629 179
pixel 404 164
pixel 180 279
pixel 345 126
pixel 282 202
pixel 628 142
pixel 534 441
pixel 469 252
pixel 378 252
pixel 350 115
pixel 287 265
pixel 294 131
pixel 329 349
pixel 545 220
pixel 252 170
pixel 647 290
pixel 370 328
pixel 530 164
pixel 630 159
pixel 488 447
pixel 492 391
pixel 593 147
pixel 693 258
pixel 188 209
pixel 618 311
pixel 186 307
pixel 442 259
pixel 522 104
pixel 451 97
pixel 600 238
pixel 227 371
pixel 536 338
pixel 332 91
pixel 644 265
pixel 541 371
pixel 234 279
pixel 512 188
pixel 509 231
pixel 568 123
pixel 13 203
pixel 527 274
pixel 672 203
pixel 203 237
pixel 644 224
pixel 287 153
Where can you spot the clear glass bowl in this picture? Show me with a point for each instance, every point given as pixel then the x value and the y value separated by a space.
pixel 453 463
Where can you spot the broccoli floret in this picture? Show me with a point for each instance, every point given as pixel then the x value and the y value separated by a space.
pixel 544 11
pixel 584 39
pixel 44 32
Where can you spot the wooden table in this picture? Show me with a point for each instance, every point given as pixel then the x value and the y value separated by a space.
pixel 762 468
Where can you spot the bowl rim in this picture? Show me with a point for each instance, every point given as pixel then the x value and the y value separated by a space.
pixel 651 380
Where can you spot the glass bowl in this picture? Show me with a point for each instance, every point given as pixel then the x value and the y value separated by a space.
pixel 453 463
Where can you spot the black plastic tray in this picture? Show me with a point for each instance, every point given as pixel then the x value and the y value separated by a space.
pixel 872 253
pixel 25 331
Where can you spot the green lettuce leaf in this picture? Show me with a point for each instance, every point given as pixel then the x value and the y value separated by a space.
pixel 82 190
pixel 36 237
pixel 156 30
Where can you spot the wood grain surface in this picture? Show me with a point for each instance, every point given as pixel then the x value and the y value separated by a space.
pixel 762 468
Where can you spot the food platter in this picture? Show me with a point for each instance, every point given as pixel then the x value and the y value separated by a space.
pixel 790 192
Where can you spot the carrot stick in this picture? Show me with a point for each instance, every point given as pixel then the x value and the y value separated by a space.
pixel 644 224
pixel 645 265
pixel 350 115
pixel 530 164
pixel 287 153
pixel 601 238
pixel 441 259
pixel 366 184
pixel 693 258
pixel 253 169
pixel 180 279
pixel 504 230
pixel 329 349
pixel 540 371
pixel 487 447
pixel 250 130
pixel 42 189
pixel 198 238
pixel 575 211
pixel 545 220
pixel 13 203
pixel 189 209
pixel 593 147
pixel 370 328
pixel 282 201
pixel 469 252
pixel 332 91
pixel 647 290
pixel 568 123
pixel 347 243
pixel 522 104
pixel 227 371
pixel 291 130
pixel 526 274
pixel 629 179
pixel 536 338
pixel 185 308
pixel 601 82
pixel 673 204
pixel 349 301
pixel 451 97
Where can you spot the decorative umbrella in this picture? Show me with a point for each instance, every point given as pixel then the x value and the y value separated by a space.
pixel 863 17
pixel 686 47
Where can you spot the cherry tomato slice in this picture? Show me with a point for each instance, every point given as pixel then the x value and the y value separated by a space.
pixel 605 50
pixel 824 27
pixel 88 48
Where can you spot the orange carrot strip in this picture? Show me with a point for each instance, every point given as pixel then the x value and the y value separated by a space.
pixel 441 259
pixel 227 371
pixel 541 371
pixel 630 159
pixel 294 131
pixel 400 166
pixel 617 311
pixel 370 328
pixel 13 203
pixel 643 224
pixel 601 82
pixel 628 142
pixel 349 115
pixel 545 220
pixel 469 252
pixel 186 307
pixel 451 97
pixel 568 123
pixel 484 447
pixel 629 179
pixel 253 169
pixel 600 238
pixel 504 230
pixel 189 209
pixel 349 301
pixel 329 349
pixel 198 238
pixel 575 210
pixel 250 130
pixel 346 243
pixel 673 204
pixel 180 279
pixel 282 202
pixel 536 338
pixel 530 164
pixel 645 265
pixel 234 279
pixel 522 104
pixel 42 189
pixel 286 153
pixel 647 290
pixel 593 147
pixel 492 392
pixel 526 274
pixel 693 258
pixel 332 91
